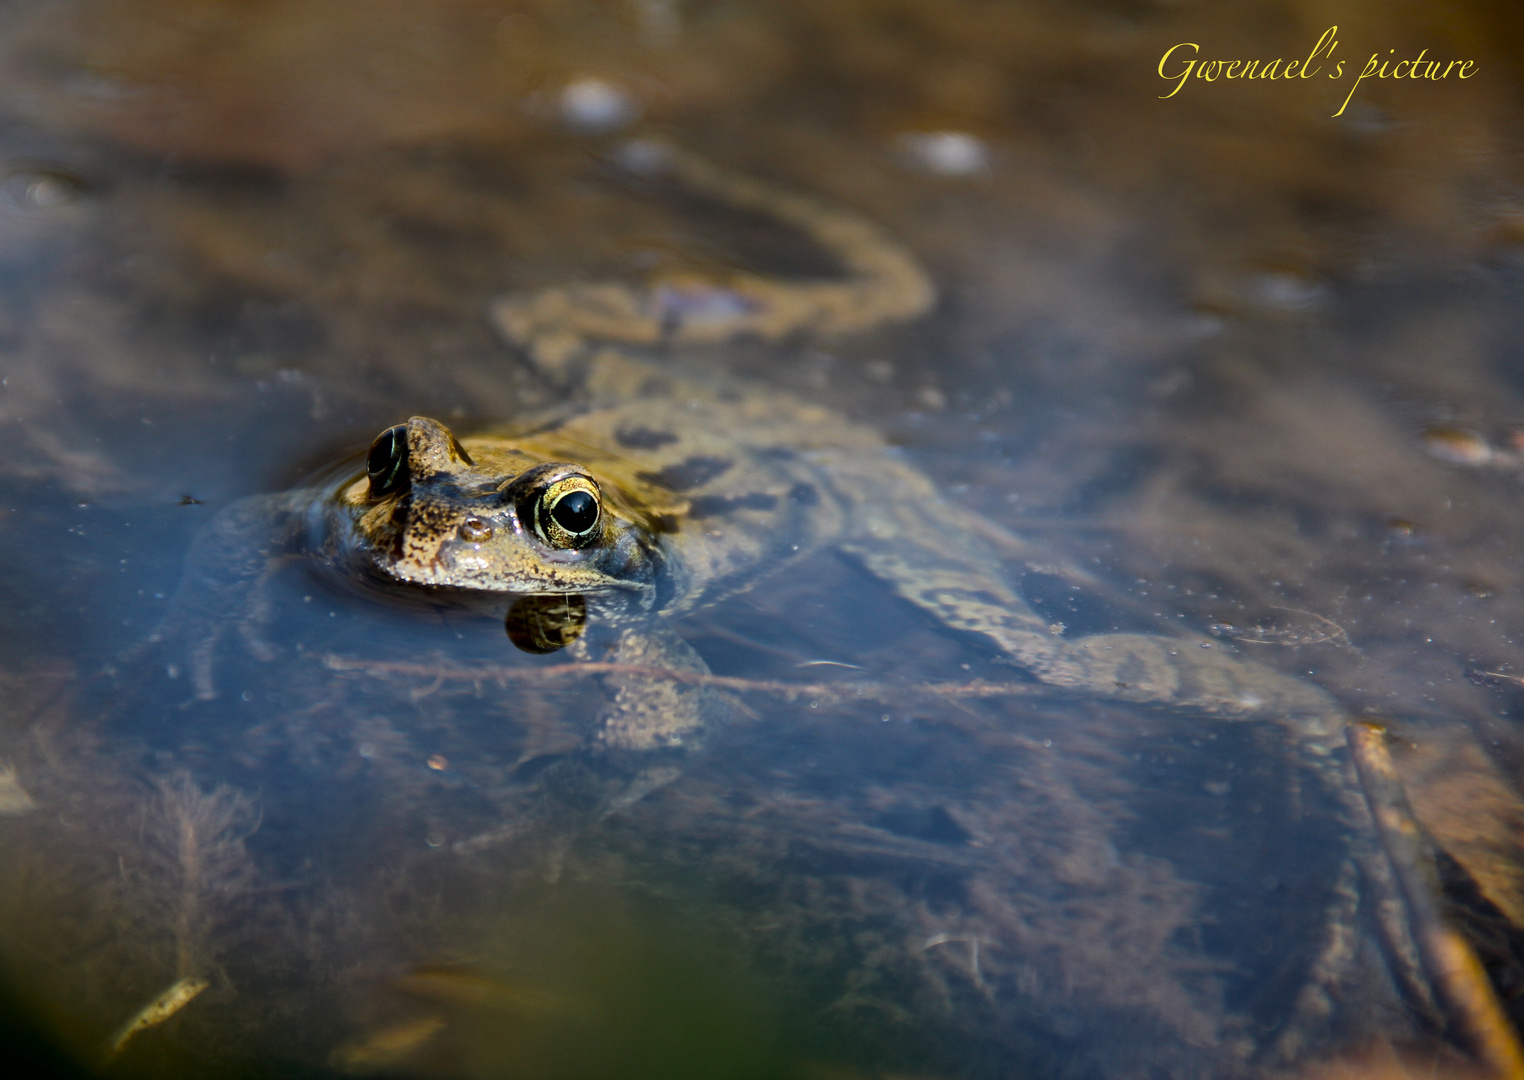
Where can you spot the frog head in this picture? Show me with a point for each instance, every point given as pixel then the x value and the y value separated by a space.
pixel 429 512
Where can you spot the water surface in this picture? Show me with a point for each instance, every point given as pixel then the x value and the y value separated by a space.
pixel 1236 367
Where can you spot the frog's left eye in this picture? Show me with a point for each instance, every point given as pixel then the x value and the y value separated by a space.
pixel 386 464
pixel 568 512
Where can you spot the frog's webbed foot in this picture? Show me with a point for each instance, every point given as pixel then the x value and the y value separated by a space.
pixel 659 711
pixel 223 585
pixel 655 720
pixel 659 700
pixel 882 283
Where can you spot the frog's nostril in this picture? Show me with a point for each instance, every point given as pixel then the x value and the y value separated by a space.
pixel 475 531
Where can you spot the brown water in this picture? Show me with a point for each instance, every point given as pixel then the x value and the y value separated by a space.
pixel 1249 366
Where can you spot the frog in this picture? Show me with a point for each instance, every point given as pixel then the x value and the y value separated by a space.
pixel 655 490
pixel 657 487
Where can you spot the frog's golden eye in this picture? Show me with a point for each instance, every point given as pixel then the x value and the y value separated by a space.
pixel 568 512
pixel 386 464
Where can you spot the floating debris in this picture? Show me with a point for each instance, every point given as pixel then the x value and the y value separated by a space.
pixel 1308 629
pixel 383 1049
pixel 466 986
pixel 1458 446
pixel 160 1009
pixel 946 153
pixel 1492 678
pixel 13 797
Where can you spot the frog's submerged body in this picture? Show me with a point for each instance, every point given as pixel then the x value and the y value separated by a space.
pixel 674 498
pixel 657 490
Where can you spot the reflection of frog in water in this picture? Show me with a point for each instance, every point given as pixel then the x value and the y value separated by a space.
pixel 658 492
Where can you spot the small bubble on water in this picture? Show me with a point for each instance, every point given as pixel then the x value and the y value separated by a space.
pixel 930 397
pixel 593 104
pixel 945 153
pixel 1288 290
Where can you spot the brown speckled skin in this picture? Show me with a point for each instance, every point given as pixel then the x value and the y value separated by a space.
pixel 732 490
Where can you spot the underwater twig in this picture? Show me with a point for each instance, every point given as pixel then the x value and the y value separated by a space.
pixel 1460 982
pixel 790 691
pixel 1485 678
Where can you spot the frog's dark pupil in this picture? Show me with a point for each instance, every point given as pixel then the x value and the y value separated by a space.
pixel 576 511
pixel 386 464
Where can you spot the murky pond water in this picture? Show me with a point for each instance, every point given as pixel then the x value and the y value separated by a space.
pixel 1221 368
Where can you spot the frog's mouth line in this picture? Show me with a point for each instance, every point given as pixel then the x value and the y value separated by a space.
pixel 360 580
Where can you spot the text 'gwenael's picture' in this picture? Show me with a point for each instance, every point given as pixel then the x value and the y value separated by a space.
pixel 1377 67
pixel 739 540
